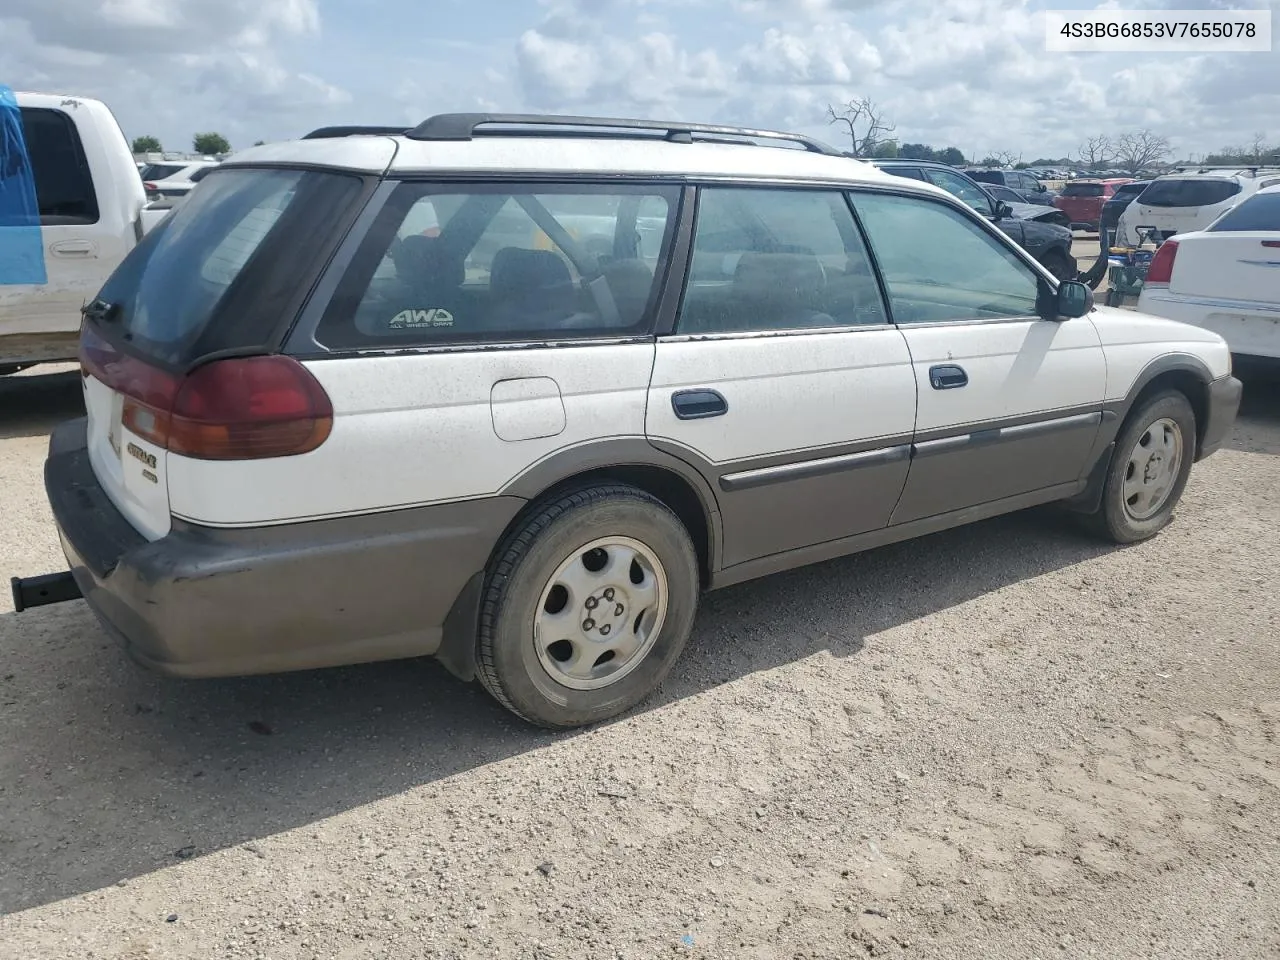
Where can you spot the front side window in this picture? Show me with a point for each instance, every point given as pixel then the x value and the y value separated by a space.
pixel 508 262
pixel 768 259
pixel 964 188
pixel 939 265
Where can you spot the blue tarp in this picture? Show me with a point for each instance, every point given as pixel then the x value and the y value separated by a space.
pixel 21 244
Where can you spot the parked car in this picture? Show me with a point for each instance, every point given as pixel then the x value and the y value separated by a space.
pixel 1042 231
pixel 1225 278
pixel 83 210
pixel 1025 185
pixel 1082 200
pixel 1184 203
pixel 1116 204
pixel 530 460
pixel 176 179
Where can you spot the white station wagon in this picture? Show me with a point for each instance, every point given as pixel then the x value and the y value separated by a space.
pixel 513 390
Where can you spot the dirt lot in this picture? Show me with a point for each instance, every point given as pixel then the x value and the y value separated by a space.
pixel 1005 741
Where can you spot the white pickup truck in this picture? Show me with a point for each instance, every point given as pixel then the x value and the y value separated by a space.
pixel 90 209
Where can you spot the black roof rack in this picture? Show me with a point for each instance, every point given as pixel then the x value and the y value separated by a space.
pixel 463 126
pixel 326 133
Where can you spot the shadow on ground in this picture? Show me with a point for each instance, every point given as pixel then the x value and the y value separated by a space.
pixel 33 404
pixel 1259 408
pixel 90 741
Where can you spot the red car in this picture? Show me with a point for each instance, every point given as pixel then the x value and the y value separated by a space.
pixel 1082 200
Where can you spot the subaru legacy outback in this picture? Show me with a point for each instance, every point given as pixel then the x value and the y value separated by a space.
pixel 513 390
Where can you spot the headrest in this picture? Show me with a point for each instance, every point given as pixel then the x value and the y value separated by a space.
pixel 796 277
pixel 425 260
pixel 516 271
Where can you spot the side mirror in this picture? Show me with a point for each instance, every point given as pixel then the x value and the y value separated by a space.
pixel 1075 299
pixel 1003 210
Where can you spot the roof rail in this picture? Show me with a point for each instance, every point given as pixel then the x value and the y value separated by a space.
pixel 326 133
pixel 464 126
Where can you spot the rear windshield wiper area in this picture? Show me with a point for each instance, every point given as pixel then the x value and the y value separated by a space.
pixel 100 311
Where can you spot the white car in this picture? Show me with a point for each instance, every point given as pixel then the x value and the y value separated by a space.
pixel 367 396
pixel 173 179
pixel 1225 278
pixel 1182 203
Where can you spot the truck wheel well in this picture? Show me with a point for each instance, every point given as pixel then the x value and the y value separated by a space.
pixel 1189 385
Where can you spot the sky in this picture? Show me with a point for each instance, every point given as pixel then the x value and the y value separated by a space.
pixel 968 73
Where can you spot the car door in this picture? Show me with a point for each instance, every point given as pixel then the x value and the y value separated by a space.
pixel 783 381
pixel 78 247
pixel 977 197
pixel 1009 402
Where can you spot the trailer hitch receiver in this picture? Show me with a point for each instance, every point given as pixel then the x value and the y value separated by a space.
pixel 44 589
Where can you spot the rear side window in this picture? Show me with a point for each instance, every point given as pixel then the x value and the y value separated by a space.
pixel 1128 191
pixel 987 176
pixel 64 185
pixel 1082 190
pixel 777 260
pixel 1188 193
pixel 242 241
pixel 1259 212
pixel 504 262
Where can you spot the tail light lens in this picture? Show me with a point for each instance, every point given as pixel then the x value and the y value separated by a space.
pixel 149 186
pixel 1161 269
pixel 243 408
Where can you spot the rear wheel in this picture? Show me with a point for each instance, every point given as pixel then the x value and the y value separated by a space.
pixel 587 606
pixel 1149 469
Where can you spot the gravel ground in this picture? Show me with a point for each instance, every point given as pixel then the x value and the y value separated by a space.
pixel 1005 741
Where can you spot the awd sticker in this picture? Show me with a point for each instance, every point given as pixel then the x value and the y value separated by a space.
pixel 413 319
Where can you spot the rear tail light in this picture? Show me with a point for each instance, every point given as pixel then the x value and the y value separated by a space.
pixel 1161 269
pixel 243 408
pixel 148 185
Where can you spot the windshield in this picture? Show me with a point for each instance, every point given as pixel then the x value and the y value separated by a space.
pixel 165 293
pixel 1188 193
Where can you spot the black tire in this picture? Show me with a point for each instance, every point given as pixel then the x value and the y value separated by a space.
pixel 1114 520
pixel 1056 262
pixel 508 660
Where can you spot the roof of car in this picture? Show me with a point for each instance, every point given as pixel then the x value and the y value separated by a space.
pixel 379 150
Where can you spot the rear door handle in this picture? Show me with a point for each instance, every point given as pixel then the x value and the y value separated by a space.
pixel 947 376
pixel 698 404
pixel 73 248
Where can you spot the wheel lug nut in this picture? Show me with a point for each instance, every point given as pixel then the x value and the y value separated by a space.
pixel 588 624
pixel 592 603
pixel 605 629
pixel 608 593
pixel 619 610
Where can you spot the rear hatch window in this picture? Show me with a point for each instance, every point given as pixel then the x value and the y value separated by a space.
pixel 1188 193
pixel 1261 212
pixel 1082 190
pixel 223 271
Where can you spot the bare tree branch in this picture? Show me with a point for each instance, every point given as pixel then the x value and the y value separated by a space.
pixel 1258 149
pixel 1140 149
pixel 862 114
pixel 1097 151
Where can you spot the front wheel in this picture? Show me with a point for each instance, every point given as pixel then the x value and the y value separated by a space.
pixel 1149 469
pixel 587 606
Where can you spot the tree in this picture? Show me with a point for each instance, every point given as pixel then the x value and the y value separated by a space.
pixel 147 144
pixel 952 156
pixel 1258 149
pixel 1006 158
pixel 886 149
pixel 862 114
pixel 1097 151
pixel 916 151
pixel 1139 149
pixel 990 160
pixel 210 144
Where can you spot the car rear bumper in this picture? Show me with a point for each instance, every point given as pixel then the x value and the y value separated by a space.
pixel 206 601
pixel 1224 404
pixel 1251 329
